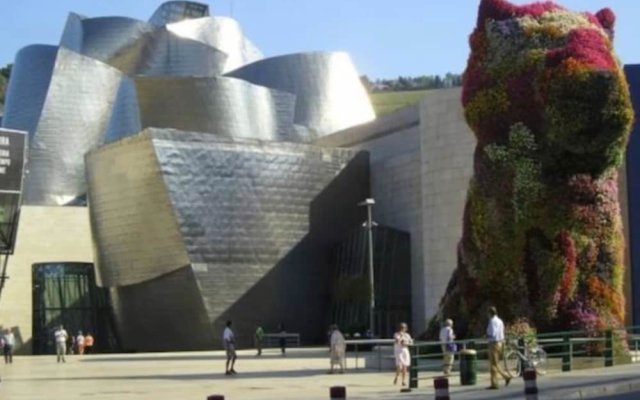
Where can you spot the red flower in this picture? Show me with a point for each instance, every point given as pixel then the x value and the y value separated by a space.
pixel 607 18
pixel 586 46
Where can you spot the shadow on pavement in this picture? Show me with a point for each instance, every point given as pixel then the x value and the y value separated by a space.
pixel 186 377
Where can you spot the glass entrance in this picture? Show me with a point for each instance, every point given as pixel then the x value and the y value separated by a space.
pixel 66 294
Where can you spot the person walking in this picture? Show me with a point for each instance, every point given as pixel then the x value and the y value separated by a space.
pixel 8 343
pixel 338 347
pixel 258 338
pixel 80 343
pixel 61 337
pixel 88 343
pixel 495 336
pixel 283 339
pixel 402 341
pixel 229 341
pixel 449 347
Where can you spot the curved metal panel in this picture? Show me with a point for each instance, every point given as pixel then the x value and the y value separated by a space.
pixel 125 118
pixel 136 47
pixel 117 41
pixel 224 106
pixel 74 119
pixel 132 220
pixel 174 11
pixel 329 94
pixel 221 33
pixel 28 87
pixel 165 53
pixel 72 34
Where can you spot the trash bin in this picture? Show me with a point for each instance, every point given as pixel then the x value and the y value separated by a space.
pixel 468 367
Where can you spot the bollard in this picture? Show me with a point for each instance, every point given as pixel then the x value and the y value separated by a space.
pixel 413 368
pixel 337 392
pixel 215 397
pixel 530 384
pixel 441 385
pixel 608 348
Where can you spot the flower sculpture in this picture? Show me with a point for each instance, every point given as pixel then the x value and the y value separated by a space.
pixel 549 105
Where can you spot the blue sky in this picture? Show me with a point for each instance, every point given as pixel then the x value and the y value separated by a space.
pixel 385 38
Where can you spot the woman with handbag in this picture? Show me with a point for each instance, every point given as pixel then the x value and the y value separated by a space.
pixel 401 351
pixel 449 347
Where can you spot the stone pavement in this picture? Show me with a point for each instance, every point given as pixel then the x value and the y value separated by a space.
pixel 300 375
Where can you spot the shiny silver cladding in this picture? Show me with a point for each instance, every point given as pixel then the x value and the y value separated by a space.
pixel 125 118
pixel 224 106
pixel 74 119
pixel 222 33
pixel 174 11
pixel 329 93
pixel 28 87
pixel 139 48
pixel 117 41
pixel 165 53
pixel 253 220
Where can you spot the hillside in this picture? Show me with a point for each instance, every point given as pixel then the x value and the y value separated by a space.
pixel 387 102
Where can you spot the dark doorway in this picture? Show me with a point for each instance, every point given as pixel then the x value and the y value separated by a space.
pixel 66 293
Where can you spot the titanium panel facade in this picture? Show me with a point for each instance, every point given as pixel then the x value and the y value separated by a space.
pixel 329 94
pixel 224 106
pixel 28 86
pixel 257 221
pixel 69 125
pixel 125 118
pixel 138 48
pixel 116 41
pixel 223 34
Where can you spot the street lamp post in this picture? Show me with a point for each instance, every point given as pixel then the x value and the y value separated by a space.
pixel 372 296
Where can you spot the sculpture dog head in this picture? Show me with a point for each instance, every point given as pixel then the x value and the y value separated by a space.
pixel 554 71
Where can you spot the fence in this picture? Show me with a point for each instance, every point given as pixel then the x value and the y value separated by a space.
pixel 565 351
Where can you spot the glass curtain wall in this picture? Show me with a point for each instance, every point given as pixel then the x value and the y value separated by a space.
pixel 66 294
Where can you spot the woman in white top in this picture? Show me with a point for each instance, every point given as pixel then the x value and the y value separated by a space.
pixel 401 352
pixel 338 348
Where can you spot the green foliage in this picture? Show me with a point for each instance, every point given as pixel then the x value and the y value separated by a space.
pixel 520 159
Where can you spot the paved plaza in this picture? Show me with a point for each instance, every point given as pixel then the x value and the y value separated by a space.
pixel 302 374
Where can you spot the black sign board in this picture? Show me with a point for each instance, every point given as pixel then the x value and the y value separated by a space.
pixel 13 150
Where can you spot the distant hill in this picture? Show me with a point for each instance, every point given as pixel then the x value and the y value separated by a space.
pixel 387 102
pixel 388 95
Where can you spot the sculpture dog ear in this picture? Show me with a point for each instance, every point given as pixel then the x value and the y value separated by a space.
pixel 496 10
pixel 607 19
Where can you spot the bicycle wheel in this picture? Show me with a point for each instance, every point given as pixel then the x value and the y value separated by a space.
pixel 538 360
pixel 512 363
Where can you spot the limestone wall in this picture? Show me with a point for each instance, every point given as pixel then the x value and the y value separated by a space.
pixel 45 234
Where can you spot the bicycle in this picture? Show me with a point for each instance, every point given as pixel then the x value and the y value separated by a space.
pixel 519 357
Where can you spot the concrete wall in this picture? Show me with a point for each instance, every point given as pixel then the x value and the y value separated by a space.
pixel 421 160
pixel 45 234
pixel 395 185
pixel 447 146
pixel 394 145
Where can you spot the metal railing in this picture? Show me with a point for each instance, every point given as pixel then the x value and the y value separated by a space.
pixel 565 351
pixel 374 344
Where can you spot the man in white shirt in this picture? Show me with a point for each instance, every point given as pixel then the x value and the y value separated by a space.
pixel 449 347
pixel 61 337
pixel 495 336
pixel 8 342
pixel 228 341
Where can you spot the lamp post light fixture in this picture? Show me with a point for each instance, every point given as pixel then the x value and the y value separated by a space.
pixel 372 296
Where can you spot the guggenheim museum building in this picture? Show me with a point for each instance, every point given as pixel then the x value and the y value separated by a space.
pixel 177 178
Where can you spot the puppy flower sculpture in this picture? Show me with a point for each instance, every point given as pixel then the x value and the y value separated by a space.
pixel 549 105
